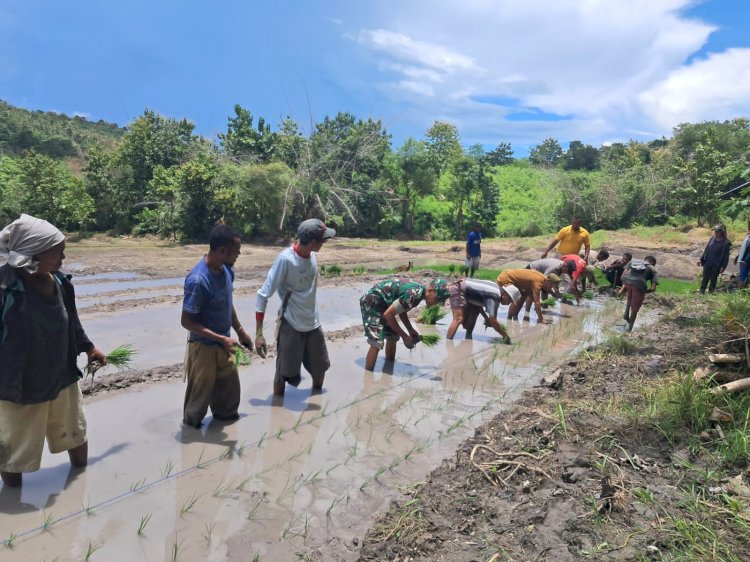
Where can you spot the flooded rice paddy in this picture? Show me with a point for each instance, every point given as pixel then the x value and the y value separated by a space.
pixel 302 476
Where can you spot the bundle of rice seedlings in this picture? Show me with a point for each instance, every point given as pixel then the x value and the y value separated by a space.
pixel 431 314
pixel 569 297
pixel 241 356
pixel 506 340
pixel 549 301
pixel 430 340
pixel 588 295
pixel 121 356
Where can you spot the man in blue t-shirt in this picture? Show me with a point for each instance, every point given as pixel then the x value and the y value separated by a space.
pixel 209 315
pixel 473 249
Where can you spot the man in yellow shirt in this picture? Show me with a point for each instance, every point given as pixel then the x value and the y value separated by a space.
pixel 571 238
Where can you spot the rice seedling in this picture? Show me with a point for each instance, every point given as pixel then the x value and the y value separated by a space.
pixel 189 503
pixel 569 297
pixel 209 531
pixel 10 540
pixel 144 521
pixel 549 301
pixel 135 486
pixel 588 295
pixel 87 508
pixel 359 269
pixel 200 463
pixel 241 356
pixel 255 507
pixel 431 314
pixel 121 356
pixel 331 270
pixel 168 468
pixel 226 453
pixel 90 551
pixel 430 340
pixel 221 487
pixel 176 545
pixel 241 486
pixel 451 268
pixel 47 523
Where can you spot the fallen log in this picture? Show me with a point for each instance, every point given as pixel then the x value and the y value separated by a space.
pixel 720 358
pixel 736 386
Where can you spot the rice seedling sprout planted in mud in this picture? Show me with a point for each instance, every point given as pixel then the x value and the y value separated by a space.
pixel 144 521
pixel 91 550
pixel 10 540
pixel 588 295
pixel 430 340
pixel 431 314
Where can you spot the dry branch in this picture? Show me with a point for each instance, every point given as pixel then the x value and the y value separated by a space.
pixel 500 464
pixel 721 358
pixel 736 386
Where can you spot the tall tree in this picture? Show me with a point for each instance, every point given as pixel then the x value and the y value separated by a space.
pixel 501 155
pixel 417 179
pixel 443 145
pixel 547 154
pixel 243 141
pixel 581 156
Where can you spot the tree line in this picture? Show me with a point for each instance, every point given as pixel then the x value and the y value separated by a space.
pixel 156 176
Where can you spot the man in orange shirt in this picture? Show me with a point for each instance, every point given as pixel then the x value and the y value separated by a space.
pixel 571 238
pixel 531 284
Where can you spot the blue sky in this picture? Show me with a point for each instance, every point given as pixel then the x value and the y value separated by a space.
pixel 514 71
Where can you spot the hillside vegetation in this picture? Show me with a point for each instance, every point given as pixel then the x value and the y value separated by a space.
pixel 156 176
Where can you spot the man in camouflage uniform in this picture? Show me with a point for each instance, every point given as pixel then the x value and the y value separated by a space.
pixel 391 298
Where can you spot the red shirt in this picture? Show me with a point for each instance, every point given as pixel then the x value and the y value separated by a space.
pixel 580 264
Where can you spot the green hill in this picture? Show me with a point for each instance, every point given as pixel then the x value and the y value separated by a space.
pixel 53 134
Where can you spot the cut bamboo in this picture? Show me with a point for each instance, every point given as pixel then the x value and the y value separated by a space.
pixel 719 358
pixel 736 386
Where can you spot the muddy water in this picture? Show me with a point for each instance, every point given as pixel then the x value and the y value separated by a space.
pixel 158 338
pixel 299 477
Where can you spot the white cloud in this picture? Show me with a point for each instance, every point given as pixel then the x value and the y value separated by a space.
pixel 604 64
pixel 714 88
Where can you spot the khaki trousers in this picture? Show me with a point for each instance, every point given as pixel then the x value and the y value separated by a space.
pixel 212 380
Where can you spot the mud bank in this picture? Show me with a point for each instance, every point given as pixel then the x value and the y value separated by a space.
pixel 581 472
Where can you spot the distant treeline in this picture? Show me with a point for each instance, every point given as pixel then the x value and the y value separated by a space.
pixel 156 176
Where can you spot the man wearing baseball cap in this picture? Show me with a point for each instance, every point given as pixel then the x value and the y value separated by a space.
pixel 299 336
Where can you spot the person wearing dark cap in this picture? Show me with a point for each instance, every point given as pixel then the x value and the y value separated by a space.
pixel 715 258
pixel 299 337
pixel 393 298
pixel 473 249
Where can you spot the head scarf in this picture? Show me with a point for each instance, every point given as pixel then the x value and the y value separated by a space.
pixel 441 289
pixel 26 237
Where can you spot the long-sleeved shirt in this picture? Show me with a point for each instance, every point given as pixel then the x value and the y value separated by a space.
pixel 292 272
pixel 716 253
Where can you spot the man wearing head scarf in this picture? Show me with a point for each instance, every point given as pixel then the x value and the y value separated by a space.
pixel 40 339
pixel 393 298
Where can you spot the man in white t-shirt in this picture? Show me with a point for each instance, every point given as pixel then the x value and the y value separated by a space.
pixel 300 339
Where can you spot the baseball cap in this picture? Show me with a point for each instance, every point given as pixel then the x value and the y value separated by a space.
pixel 314 229
pixel 441 289
pixel 513 293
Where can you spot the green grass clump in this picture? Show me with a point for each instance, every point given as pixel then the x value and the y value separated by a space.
pixel 431 314
pixel 430 340
pixel 359 269
pixel 241 356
